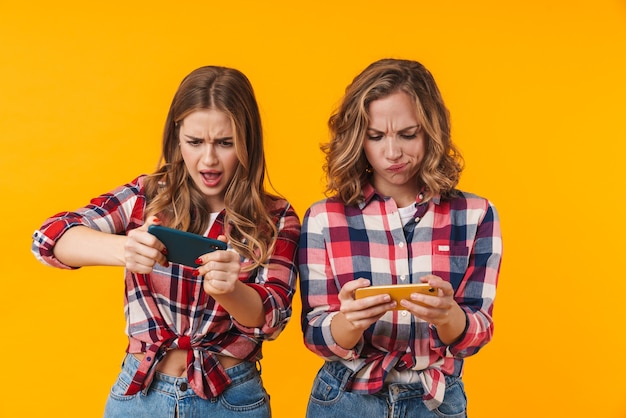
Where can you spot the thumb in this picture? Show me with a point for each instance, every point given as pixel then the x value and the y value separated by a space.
pixel 151 220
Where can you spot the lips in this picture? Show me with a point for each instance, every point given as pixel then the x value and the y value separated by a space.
pixel 211 178
pixel 396 167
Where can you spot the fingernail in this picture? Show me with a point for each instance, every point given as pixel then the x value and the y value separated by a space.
pixel 164 251
pixel 198 260
pixel 195 272
pixel 156 221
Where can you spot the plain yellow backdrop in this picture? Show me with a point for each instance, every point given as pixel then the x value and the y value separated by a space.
pixel 537 94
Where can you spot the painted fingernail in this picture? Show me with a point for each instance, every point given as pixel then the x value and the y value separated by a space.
pixel 195 273
pixel 198 260
pixel 156 221
pixel 164 251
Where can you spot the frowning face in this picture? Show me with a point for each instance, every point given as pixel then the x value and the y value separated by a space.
pixel 208 148
pixel 395 147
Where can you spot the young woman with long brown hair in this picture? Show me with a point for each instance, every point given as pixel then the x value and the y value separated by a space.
pixel 195 333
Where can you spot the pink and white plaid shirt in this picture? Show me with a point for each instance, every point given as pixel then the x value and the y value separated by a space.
pixel 457 239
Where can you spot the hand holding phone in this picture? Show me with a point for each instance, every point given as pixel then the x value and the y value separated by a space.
pixel 397 292
pixel 185 247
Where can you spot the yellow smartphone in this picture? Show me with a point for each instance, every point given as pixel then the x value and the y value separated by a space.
pixel 397 292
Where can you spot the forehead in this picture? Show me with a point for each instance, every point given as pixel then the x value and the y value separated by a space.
pixel 207 121
pixel 398 107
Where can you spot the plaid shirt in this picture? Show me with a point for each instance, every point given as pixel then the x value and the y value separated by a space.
pixel 168 308
pixel 457 239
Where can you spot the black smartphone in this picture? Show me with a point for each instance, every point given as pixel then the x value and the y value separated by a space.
pixel 184 247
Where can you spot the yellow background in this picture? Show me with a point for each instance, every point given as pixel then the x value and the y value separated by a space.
pixel 537 95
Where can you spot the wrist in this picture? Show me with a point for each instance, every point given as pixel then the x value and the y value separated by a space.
pixel 454 328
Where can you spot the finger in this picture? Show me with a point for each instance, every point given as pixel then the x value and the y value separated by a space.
pixel 347 290
pixel 141 246
pixel 355 284
pixel 140 264
pixel 149 240
pixel 375 300
pixel 150 220
pixel 153 220
pixel 218 282
pixel 149 246
pixel 444 287
pixel 368 316
pixel 221 257
pixel 221 271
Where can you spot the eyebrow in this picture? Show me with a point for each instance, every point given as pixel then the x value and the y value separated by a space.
pixel 401 130
pixel 202 139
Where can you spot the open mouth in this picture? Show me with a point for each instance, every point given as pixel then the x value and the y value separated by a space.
pixel 211 178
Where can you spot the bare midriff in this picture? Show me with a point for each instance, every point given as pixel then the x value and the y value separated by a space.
pixel 175 362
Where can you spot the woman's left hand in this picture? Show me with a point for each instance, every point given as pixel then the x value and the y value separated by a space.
pixel 441 310
pixel 220 270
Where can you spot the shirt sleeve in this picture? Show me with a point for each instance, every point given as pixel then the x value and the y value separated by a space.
pixel 276 281
pixel 319 291
pixel 478 289
pixel 112 212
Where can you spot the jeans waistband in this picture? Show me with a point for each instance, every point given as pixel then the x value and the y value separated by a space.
pixel 172 384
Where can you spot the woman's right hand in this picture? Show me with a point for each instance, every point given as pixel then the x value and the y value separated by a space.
pixel 355 316
pixel 142 250
pixel 364 312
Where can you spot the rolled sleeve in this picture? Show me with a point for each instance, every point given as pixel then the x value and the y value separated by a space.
pixel 319 292
pixel 477 296
pixel 114 212
pixel 276 282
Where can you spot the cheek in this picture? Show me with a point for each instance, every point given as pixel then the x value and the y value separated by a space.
pixel 230 162
pixel 188 157
pixel 417 150
pixel 369 152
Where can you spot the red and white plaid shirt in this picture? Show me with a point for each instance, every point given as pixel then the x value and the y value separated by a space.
pixel 168 308
pixel 457 239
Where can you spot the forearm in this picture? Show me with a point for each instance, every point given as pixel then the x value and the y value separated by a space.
pixel 344 333
pixel 82 246
pixel 244 304
pixel 451 331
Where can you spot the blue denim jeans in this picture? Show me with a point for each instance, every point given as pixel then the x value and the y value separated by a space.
pixel 172 397
pixel 397 400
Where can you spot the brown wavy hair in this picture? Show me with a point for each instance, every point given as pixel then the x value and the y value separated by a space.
pixel 172 194
pixel 346 165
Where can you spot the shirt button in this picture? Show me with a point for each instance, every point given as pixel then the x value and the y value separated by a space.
pixel 402 278
pixel 401 245
pixel 183 387
pixel 404 313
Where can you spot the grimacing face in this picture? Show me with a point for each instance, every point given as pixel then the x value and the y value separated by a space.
pixel 207 146
pixel 394 146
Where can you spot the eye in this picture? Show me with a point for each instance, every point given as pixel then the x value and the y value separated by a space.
pixel 374 137
pixel 226 143
pixel 410 133
pixel 194 142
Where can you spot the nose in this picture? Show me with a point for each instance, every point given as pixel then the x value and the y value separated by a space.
pixel 210 155
pixel 393 150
